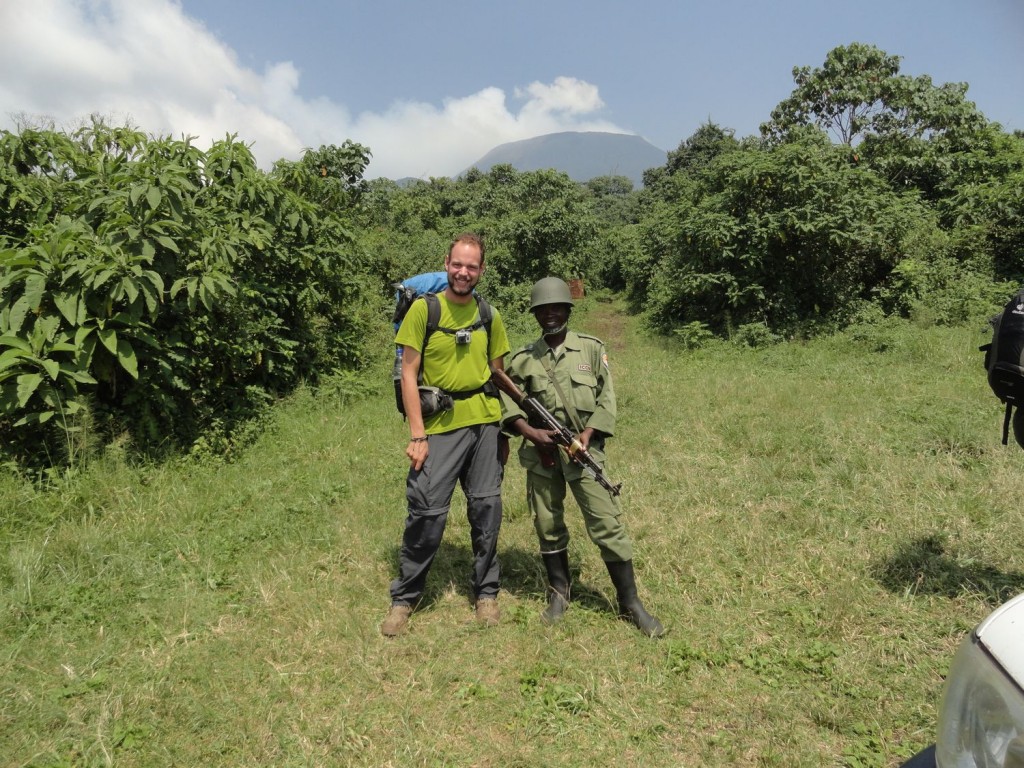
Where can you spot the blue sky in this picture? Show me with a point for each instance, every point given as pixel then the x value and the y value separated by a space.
pixel 432 86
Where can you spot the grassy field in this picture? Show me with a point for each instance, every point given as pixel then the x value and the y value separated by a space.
pixel 817 524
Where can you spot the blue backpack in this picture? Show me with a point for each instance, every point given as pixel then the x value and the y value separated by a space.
pixel 426 286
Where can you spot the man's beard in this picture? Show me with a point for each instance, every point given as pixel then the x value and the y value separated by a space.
pixel 460 290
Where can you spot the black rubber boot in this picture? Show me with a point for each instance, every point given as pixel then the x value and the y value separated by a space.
pixel 630 607
pixel 557 566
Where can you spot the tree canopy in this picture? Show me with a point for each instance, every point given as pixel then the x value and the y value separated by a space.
pixel 859 92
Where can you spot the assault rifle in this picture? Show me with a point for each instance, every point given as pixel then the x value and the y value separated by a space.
pixel 565 438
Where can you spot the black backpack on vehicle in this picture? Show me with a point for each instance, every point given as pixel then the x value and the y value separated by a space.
pixel 1004 361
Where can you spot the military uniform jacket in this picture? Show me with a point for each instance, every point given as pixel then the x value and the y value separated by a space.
pixel 581 369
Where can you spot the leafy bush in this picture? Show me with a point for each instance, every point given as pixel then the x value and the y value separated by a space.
pixel 792 237
pixel 693 335
pixel 755 335
pixel 164 286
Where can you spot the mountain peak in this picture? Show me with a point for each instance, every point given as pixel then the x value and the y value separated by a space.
pixel 581 155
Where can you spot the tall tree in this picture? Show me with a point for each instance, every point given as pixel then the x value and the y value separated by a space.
pixel 859 92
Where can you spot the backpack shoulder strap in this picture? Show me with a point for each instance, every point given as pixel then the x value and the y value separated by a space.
pixel 486 314
pixel 433 316
pixel 433 320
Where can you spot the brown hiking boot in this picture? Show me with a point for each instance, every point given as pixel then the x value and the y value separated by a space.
pixel 397 620
pixel 487 611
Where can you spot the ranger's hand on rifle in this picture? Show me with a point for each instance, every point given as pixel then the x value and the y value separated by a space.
pixel 542 438
pixel 585 437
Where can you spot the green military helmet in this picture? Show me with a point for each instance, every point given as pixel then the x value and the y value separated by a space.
pixel 550 290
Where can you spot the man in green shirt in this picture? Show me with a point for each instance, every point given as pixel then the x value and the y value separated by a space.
pixel 462 444
pixel 568 373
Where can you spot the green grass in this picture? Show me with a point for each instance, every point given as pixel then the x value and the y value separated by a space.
pixel 818 525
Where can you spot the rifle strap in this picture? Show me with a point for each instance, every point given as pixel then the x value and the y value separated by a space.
pixel 566 402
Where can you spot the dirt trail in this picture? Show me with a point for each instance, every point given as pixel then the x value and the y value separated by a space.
pixel 607 321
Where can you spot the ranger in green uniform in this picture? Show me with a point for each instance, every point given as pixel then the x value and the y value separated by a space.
pixel 568 373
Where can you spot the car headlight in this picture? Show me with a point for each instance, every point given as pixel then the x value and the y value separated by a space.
pixel 981 723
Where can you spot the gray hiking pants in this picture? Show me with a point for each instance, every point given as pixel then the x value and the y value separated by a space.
pixel 468 456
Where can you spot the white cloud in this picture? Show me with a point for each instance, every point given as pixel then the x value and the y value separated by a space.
pixel 145 60
pixel 566 94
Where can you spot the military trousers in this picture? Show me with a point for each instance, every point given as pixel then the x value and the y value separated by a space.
pixel 602 515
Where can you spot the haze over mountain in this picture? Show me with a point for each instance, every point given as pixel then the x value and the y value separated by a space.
pixel 582 156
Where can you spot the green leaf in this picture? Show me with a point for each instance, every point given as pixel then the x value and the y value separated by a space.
pixel 131 289
pixel 82 377
pixel 82 333
pixel 153 197
pixel 67 304
pixel 18 313
pixel 151 296
pixel 28 383
pixel 12 258
pixel 52 368
pixel 205 294
pixel 138 190
pixel 12 357
pixel 35 287
pixel 15 341
pixel 109 338
pixel 126 357
pixel 168 243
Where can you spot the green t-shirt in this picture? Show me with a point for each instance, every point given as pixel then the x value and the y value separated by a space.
pixel 456 367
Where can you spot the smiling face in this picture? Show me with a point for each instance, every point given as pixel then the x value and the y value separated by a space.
pixel 464 265
pixel 552 318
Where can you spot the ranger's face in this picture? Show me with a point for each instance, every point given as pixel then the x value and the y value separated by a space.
pixel 551 317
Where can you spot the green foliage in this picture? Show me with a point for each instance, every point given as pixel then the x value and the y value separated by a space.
pixel 535 224
pixel 166 285
pixel 941 291
pixel 985 201
pixel 917 207
pixel 791 237
pixel 694 335
pixel 615 202
pixel 859 94
pixel 691 157
pixel 153 289
pixel 330 177
pixel 755 335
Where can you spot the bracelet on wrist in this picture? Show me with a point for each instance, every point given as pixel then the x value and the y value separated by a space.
pixel 418 439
